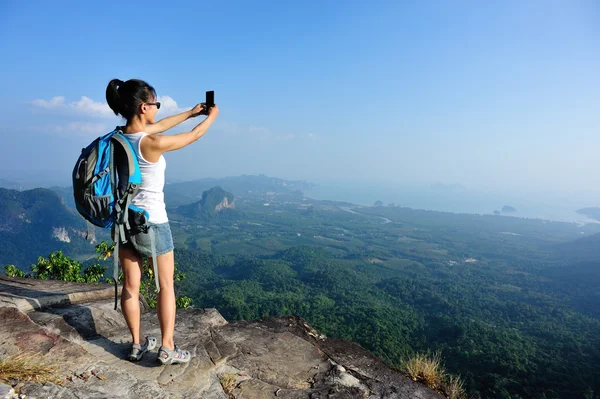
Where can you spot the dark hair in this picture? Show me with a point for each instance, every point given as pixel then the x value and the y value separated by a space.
pixel 125 97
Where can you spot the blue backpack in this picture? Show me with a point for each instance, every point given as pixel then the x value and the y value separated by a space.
pixel 105 178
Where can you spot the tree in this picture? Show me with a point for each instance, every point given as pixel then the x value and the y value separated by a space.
pixel 58 266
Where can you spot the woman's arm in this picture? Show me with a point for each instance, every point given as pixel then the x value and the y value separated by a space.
pixel 153 147
pixel 172 121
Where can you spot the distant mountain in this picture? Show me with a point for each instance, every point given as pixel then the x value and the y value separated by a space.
pixel 505 209
pixel 244 186
pixel 67 195
pixel 592 213
pixel 35 223
pixel 213 202
pixel 12 185
pixel 585 248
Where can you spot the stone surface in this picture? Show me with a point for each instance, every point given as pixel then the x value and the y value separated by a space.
pixel 6 391
pixel 28 294
pixel 271 358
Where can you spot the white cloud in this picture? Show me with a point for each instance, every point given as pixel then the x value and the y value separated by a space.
pixel 168 106
pixel 90 107
pixel 82 129
pixel 55 102
pixel 85 106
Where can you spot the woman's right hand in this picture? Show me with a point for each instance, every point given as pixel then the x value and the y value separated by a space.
pixel 213 111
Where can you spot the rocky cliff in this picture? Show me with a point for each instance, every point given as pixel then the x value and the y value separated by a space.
pixel 75 326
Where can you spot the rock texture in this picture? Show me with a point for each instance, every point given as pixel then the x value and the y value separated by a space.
pixel 271 358
pixel 224 205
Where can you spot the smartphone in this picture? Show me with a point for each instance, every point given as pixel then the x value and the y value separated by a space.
pixel 210 99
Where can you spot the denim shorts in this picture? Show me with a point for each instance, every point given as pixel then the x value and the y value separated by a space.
pixel 163 240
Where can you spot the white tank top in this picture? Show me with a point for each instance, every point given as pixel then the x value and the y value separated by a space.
pixel 150 196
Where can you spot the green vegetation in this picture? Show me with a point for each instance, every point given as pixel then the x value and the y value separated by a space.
pixel 505 342
pixel 38 221
pixel 511 305
pixel 13 271
pixel 60 267
pixel 147 284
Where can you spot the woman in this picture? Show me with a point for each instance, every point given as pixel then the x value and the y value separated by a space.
pixel 135 100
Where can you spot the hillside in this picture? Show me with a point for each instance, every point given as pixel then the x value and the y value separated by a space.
pixel 36 222
pixel 245 186
pixel 215 203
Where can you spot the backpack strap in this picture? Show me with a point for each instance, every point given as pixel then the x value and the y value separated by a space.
pixel 154 263
pixel 116 237
pixel 134 181
pixel 124 217
pixel 133 167
pixel 116 264
pixel 87 229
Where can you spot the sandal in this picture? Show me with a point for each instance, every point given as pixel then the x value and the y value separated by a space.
pixel 138 351
pixel 175 356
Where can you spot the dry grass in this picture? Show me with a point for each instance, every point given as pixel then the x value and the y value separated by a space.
pixel 454 388
pixel 28 366
pixel 229 382
pixel 425 368
pixel 428 369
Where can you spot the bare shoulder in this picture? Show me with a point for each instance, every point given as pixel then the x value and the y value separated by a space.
pixel 151 147
pixel 162 143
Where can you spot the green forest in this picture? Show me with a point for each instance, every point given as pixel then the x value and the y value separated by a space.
pixel 511 304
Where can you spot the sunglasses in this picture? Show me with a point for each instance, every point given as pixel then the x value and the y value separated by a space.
pixel 156 103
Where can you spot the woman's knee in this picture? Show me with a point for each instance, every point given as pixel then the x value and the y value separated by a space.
pixel 131 264
pixel 166 271
pixel 166 284
pixel 132 284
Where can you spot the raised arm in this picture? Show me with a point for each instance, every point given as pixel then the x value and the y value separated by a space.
pixel 154 146
pixel 174 120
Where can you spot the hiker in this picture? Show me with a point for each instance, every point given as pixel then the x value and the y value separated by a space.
pixel 136 101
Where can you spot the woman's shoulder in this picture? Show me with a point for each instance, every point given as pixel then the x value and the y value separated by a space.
pixel 135 134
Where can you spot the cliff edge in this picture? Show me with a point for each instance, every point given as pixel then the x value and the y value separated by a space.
pixel 75 326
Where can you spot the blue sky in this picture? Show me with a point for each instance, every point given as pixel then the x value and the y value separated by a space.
pixel 492 95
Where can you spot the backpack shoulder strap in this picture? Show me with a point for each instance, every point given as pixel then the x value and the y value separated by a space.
pixel 135 176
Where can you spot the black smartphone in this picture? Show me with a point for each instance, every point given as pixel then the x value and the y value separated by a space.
pixel 210 99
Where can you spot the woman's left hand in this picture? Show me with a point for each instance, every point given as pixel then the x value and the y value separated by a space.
pixel 199 109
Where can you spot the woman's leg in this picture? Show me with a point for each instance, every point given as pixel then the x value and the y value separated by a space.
pixel 165 308
pixel 131 263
